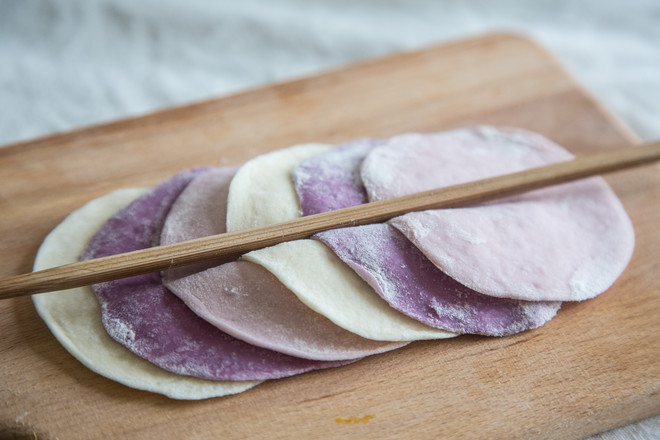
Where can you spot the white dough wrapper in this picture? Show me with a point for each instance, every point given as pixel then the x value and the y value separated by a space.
pixel 74 316
pixel 262 192
pixel 328 286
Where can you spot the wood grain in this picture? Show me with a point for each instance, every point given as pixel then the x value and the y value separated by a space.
pixel 592 368
pixel 231 245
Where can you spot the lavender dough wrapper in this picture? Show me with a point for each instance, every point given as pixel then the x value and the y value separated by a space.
pixel 141 314
pixel 411 284
pixel 377 253
pixel 244 299
pixel 567 242
pixel 332 180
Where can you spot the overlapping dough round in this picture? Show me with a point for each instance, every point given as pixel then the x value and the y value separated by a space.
pixel 244 299
pixel 74 316
pixel 569 242
pixel 140 313
pixel 308 268
pixel 261 193
pixel 327 285
pixel 411 284
pixel 393 266
pixel 331 180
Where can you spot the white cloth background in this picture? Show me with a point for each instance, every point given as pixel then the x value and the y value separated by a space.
pixel 65 64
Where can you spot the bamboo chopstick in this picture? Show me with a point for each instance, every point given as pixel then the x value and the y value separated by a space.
pixel 231 245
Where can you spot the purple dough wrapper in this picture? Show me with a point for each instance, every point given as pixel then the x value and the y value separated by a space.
pixel 411 284
pixel 141 314
pixel 377 253
pixel 244 299
pixel 332 180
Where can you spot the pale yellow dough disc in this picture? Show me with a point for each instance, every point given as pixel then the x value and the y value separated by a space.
pixel 74 316
pixel 262 192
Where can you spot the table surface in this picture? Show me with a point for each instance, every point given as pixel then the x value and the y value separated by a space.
pixel 591 368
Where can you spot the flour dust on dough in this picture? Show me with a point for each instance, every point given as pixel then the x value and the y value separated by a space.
pixel 567 242
pixel 74 316
pixel 331 180
pixel 328 286
pixel 262 193
pixel 243 299
pixel 411 284
pixel 143 315
pixel 392 265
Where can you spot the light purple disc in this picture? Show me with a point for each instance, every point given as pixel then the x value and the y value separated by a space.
pixel 567 242
pixel 377 253
pixel 410 283
pixel 243 298
pixel 332 180
pixel 141 314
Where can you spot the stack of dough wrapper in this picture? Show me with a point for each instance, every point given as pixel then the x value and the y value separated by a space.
pixel 203 331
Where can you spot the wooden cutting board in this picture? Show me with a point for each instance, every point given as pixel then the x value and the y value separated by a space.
pixel 594 367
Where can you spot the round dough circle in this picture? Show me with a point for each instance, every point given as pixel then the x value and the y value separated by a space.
pixel 262 193
pixel 243 299
pixel 142 315
pixel 328 286
pixel 74 316
pixel 395 268
pixel 567 242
